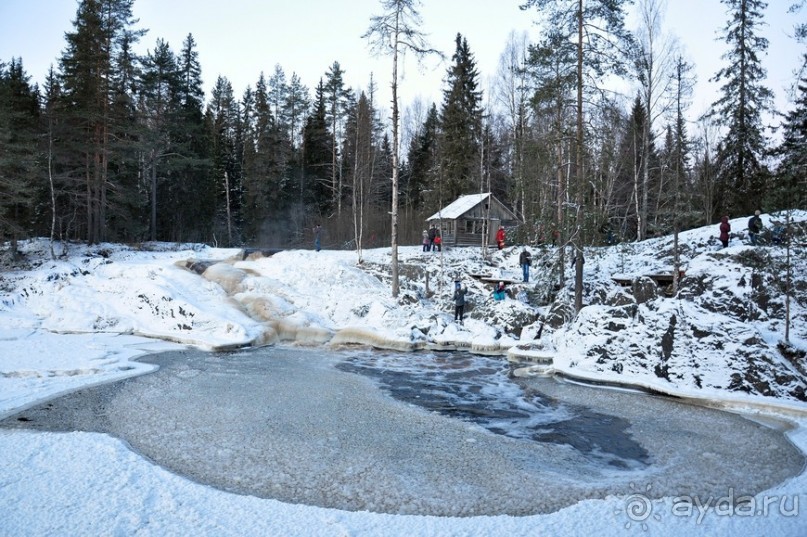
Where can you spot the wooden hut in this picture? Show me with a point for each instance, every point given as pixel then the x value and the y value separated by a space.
pixel 466 220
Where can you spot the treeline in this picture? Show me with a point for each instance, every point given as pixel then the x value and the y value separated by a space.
pixel 126 148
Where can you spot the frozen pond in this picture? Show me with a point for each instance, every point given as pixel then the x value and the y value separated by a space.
pixel 441 434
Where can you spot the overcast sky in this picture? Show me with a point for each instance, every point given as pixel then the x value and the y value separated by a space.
pixel 240 38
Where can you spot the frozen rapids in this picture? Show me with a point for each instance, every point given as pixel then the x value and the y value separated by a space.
pixel 434 434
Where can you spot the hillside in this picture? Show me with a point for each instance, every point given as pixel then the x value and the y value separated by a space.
pixel 720 337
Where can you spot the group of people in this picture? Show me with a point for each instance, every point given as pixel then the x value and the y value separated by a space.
pixel 499 291
pixel 755 228
pixel 432 240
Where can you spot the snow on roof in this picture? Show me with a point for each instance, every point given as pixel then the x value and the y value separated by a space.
pixel 458 207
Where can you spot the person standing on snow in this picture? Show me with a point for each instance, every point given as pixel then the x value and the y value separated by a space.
pixel 754 227
pixel 459 301
pixel 500 238
pixel 317 237
pixel 426 242
pixel 432 235
pixel 725 229
pixel 525 260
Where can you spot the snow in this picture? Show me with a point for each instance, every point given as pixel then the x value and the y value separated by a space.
pixel 458 207
pixel 85 318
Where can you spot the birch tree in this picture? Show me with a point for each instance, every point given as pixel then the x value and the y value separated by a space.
pixel 393 33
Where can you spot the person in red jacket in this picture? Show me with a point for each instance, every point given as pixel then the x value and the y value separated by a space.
pixel 500 237
pixel 725 229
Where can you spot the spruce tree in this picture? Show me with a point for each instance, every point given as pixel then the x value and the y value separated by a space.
pixel 337 98
pixel 422 170
pixel 277 96
pixel 460 127
pixel 158 107
pixel 744 98
pixel 20 177
pixel 790 189
pixel 295 108
pixel 315 184
pixel 193 189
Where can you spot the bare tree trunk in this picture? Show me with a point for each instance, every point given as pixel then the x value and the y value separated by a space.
pixel 642 231
pixel 789 278
pixel 229 214
pixel 395 119
pixel 52 188
pixel 580 176
pixel 557 233
pixel 153 199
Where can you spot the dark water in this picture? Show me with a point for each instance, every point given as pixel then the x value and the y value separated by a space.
pixel 481 390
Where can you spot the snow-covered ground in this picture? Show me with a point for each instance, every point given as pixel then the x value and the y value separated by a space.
pixel 86 317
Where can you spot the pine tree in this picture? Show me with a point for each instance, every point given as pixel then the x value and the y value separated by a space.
pixel 600 53
pixel 744 98
pixel 277 96
pixel 223 117
pixel 552 64
pixel 96 69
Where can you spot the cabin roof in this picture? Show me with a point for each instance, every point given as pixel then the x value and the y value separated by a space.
pixel 459 207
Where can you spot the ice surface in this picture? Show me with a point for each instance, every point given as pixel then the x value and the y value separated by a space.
pixel 286 424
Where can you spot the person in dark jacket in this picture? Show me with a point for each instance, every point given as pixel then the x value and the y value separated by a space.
pixel 725 229
pixel 432 235
pixel 317 237
pixel 754 227
pixel 459 301
pixel 525 260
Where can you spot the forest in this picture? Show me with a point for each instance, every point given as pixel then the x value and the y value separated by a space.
pixel 120 147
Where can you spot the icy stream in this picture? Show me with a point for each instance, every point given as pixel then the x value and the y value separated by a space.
pixel 440 434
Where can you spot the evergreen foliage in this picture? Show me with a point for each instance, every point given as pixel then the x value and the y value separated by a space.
pixel 460 127
pixel 742 174
pixel 19 155
pixel 790 190
pixel 116 146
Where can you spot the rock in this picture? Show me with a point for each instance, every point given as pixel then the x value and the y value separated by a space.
pixel 619 297
pixel 559 314
pixel 644 290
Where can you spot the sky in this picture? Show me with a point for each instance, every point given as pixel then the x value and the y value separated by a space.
pixel 239 39
pixel 85 318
